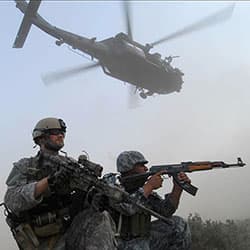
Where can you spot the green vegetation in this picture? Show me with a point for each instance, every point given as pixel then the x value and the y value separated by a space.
pixel 217 235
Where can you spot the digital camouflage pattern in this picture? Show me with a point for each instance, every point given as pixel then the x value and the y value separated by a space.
pixel 127 160
pixel 89 229
pixel 174 235
pixel 154 201
pixel 92 230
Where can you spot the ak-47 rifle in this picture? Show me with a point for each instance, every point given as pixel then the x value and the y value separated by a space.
pixel 133 182
pixel 85 176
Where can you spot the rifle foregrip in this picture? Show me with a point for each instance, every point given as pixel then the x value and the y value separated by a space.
pixel 186 186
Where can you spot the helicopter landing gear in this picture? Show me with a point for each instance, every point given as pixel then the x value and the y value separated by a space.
pixel 149 93
pixel 144 95
pixel 59 42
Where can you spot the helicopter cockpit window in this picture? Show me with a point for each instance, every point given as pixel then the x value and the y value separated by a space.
pixel 134 49
pixel 157 56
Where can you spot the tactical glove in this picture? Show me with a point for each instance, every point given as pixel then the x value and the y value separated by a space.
pixel 59 181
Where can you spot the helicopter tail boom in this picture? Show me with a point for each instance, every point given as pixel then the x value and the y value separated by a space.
pixel 25 26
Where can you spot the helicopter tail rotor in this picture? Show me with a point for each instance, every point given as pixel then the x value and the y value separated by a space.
pixel 29 11
pixel 217 17
pixel 56 76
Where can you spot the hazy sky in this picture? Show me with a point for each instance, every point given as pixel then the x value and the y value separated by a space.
pixel 207 120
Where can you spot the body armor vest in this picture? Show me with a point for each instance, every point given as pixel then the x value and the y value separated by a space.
pixel 55 213
pixel 137 225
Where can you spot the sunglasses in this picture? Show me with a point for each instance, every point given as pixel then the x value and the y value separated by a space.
pixel 56 132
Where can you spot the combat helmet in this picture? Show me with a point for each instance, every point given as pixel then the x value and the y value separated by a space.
pixel 46 124
pixel 127 160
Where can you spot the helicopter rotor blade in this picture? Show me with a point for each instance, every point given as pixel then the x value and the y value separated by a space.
pixel 56 76
pixel 127 12
pixel 217 17
pixel 133 98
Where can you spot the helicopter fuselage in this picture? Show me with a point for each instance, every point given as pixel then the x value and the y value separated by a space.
pixel 132 64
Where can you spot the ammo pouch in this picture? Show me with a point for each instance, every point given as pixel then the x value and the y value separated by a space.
pixel 47 224
pixel 137 225
pixel 25 237
pixel 22 232
pixel 27 234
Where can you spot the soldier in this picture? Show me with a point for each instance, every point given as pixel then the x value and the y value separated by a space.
pixel 134 227
pixel 43 212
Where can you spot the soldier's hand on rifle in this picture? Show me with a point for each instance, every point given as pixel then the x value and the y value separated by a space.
pixel 182 177
pixel 154 182
pixel 177 190
pixel 59 181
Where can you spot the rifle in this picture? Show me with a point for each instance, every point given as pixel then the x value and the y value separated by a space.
pixel 85 176
pixel 133 182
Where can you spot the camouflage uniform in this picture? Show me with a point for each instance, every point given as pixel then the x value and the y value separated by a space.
pixel 172 236
pixel 83 228
pixel 154 235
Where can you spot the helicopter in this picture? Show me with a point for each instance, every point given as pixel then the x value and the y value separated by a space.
pixel 120 56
